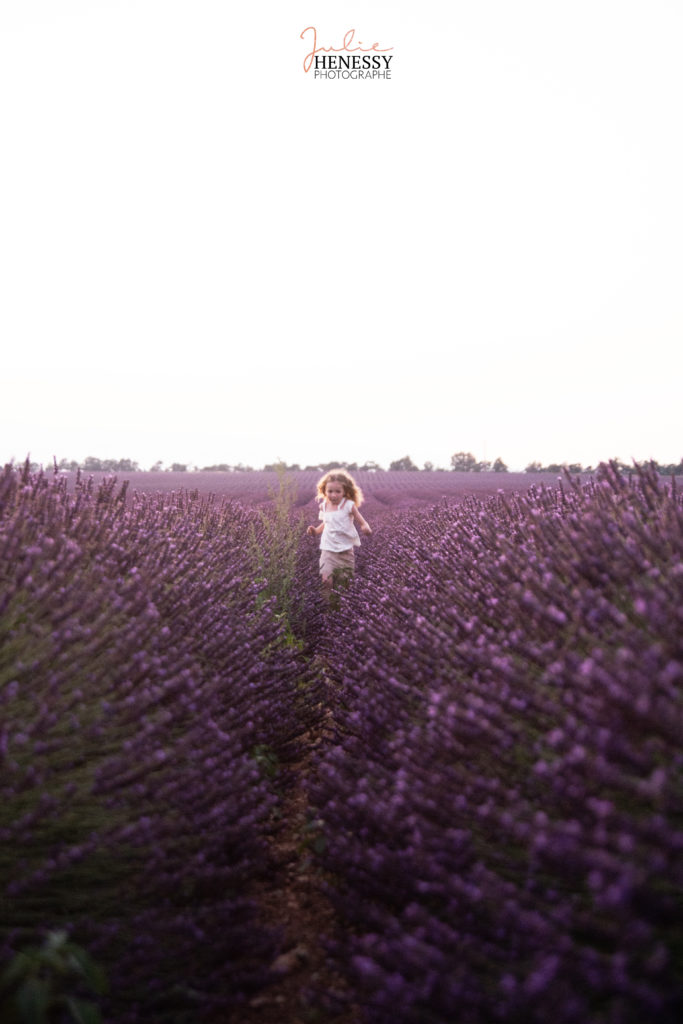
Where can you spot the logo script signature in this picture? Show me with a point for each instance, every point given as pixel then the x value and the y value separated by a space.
pixel 346 46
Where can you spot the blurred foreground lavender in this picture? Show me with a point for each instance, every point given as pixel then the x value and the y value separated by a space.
pixel 144 684
pixel 502 810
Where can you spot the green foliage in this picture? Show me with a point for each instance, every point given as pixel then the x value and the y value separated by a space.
pixel 405 463
pixel 279 467
pixel 325 467
pixel 267 759
pixel 313 836
pixel 463 462
pixel 94 465
pixel 571 467
pixel 341 579
pixel 45 984
pixel 274 549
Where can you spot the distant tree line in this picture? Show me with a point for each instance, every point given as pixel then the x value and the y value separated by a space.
pixel 556 467
pixel 465 462
pixel 91 464
pixel 461 462
pixel 664 469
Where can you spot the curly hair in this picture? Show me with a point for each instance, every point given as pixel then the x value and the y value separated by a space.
pixel 340 476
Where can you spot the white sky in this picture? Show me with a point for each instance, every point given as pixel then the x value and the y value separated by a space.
pixel 208 256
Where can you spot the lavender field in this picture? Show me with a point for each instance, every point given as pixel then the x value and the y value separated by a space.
pixel 490 719
pixel 382 489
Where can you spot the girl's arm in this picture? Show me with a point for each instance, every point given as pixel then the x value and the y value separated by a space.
pixel 357 517
pixel 313 530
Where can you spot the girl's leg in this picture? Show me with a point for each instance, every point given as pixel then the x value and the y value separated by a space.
pixel 327 586
pixel 334 579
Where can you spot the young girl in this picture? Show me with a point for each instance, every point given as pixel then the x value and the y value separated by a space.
pixel 339 496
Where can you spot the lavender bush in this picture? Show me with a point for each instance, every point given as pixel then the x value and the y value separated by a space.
pixel 142 686
pixel 501 808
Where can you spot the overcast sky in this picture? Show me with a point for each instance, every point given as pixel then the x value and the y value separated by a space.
pixel 209 256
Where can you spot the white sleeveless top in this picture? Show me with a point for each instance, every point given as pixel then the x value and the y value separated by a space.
pixel 339 533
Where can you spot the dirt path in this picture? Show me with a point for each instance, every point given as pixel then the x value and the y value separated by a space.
pixel 293 902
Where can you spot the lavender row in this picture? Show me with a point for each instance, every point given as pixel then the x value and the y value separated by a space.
pixel 143 687
pixel 501 809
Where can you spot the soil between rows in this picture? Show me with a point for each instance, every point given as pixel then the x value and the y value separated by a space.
pixel 292 902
